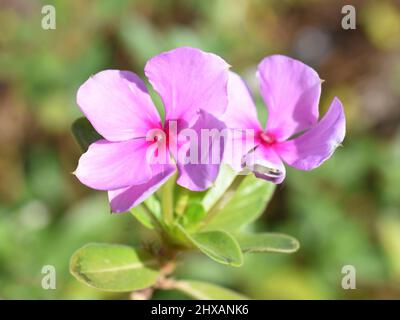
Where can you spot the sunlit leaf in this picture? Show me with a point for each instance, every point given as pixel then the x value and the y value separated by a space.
pixel 218 245
pixel 225 177
pixel 140 212
pixel 245 206
pixel 206 291
pixel 114 267
pixel 193 214
pixel 267 242
pixel 146 212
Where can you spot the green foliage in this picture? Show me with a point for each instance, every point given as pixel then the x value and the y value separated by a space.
pixel 218 245
pixel 244 206
pixel 148 213
pixel 114 267
pixel 193 214
pixel 225 178
pixel 141 213
pixel 267 242
pixel 207 291
pixel 84 133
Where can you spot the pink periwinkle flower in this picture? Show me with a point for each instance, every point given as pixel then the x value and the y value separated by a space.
pixel 291 91
pixel 193 87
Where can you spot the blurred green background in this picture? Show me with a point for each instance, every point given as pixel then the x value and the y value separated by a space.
pixel 345 212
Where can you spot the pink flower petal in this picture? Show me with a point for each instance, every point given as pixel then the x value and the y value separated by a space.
pixel 241 112
pixel 199 159
pixel 241 118
pixel 118 105
pixel 312 148
pixel 291 91
pixel 122 200
pixel 113 165
pixel 266 164
pixel 188 80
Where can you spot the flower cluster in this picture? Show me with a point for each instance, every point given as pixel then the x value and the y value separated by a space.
pixel 210 117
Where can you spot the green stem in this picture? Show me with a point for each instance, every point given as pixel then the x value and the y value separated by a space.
pixel 167 200
pixel 153 218
pixel 162 231
pixel 182 202
pixel 227 196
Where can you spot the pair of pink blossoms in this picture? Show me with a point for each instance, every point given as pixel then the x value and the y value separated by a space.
pixel 199 92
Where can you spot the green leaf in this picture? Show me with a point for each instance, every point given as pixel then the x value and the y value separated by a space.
pixel 114 267
pixel 84 133
pixel 245 206
pixel 193 214
pixel 153 204
pixel 147 212
pixel 267 242
pixel 206 291
pixel 225 177
pixel 140 212
pixel 218 245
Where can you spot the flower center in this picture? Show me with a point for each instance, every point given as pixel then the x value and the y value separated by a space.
pixel 160 136
pixel 267 138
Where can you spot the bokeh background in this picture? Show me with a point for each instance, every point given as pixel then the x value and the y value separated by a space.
pixel 345 212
